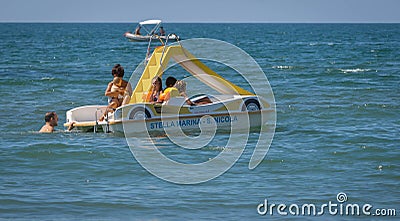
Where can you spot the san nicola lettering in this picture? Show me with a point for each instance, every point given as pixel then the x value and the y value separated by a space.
pixel 192 122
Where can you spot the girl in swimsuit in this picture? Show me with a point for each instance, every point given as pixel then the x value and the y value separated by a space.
pixel 156 90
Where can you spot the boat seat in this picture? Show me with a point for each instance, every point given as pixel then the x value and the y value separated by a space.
pixel 85 113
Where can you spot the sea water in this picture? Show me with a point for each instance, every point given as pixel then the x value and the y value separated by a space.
pixel 338 117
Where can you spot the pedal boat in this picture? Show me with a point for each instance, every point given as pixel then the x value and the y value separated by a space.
pixel 233 107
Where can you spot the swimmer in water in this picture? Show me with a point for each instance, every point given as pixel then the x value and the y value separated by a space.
pixel 51 121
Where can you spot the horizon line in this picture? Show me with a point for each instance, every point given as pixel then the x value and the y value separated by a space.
pixel 215 22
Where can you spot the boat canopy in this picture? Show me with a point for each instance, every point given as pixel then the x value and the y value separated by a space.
pixel 150 22
pixel 150 26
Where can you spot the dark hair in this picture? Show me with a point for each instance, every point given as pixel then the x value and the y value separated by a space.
pixel 118 70
pixel 158 79
pixel 170 82
pixel 49 115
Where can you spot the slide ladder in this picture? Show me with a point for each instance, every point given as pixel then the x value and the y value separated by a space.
pixel 152 69
pixel 159 61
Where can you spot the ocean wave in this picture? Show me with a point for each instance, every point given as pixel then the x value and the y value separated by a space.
pixel 354 70
pixel 282 67
pixel 47 78
pixel 322 43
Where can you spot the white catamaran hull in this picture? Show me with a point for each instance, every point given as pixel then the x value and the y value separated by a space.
pixel 134 119
pixel 171 124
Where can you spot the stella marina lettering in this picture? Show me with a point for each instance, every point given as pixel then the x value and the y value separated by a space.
pixel 192 122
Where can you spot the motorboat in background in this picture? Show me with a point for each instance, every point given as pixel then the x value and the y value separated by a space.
pixel 152 30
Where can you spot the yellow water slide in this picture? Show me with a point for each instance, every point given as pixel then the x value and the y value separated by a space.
pixel 159 61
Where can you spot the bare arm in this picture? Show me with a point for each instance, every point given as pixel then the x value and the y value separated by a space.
pixel 129 89
pixel 108 92
pixel 127 95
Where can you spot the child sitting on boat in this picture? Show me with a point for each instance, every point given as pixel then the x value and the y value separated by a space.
pixel 181 86
pixel 118 87
pixel 170 91
pixel 156 90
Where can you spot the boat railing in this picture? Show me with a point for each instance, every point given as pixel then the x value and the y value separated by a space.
pixel 148 51
pixel 155 36
pixel 149 45
pixel 165 46
pixel 96 126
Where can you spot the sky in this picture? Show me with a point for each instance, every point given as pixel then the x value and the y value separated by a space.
pixel 263 11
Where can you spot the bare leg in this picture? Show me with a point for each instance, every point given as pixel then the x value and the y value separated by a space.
pixel 110 107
